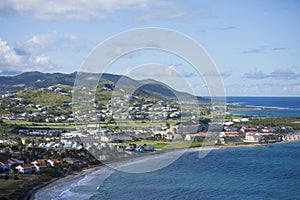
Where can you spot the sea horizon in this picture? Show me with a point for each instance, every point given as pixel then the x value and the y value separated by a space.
pixel 270 106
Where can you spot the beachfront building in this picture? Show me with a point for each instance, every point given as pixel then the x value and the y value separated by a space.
pixel 27 168
pixel 253 137
pixel 195 137
pixel 232 136
pixel 53 162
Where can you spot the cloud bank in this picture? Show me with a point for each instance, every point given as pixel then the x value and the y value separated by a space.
pixel 87 9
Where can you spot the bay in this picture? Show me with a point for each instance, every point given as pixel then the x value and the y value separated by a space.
pixel 259 172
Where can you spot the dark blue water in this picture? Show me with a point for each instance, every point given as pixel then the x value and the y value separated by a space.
pixel 264 172
pixel 274 106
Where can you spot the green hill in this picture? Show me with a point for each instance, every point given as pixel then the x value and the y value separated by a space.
pixel 43 97
pixel 38 80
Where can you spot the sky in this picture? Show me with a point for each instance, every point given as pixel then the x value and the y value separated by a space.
pixel 254 44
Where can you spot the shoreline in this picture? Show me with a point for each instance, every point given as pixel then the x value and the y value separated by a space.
pixel 54 181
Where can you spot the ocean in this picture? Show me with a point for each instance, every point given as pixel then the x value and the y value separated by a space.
pixel 244 172
pixel 273 106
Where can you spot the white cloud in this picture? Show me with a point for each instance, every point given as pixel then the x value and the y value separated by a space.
pixel 162 10
pixel 72 9
pixel 262 49
pixel 268 88
pixel 140 10
pixel 255 74
pixel 8 56
pixel 153 71
pixel 45 42
pixel 36 43
pixel 69 37
pixel 291 73
pixel 224 74
pixel 286 74
pixel 13 62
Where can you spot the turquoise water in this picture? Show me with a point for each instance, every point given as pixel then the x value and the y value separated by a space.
pixel 261 172
pixel 273 106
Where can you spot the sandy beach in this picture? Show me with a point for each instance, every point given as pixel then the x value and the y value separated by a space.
pixel 55 181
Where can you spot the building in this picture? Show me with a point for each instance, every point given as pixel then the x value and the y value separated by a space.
pixel 253 137
pixel 27 168
pixel 195 137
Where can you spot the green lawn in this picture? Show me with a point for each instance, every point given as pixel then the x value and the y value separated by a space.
pixel 62 125
pixel 10 186
pixel 165 145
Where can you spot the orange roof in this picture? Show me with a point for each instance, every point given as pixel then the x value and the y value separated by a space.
pixel 40 161
pixel 199 134
pixel 24 166
pixel 250 134
pixel 41 165
pixel 231 134
pixel 55 160
pixel 265 133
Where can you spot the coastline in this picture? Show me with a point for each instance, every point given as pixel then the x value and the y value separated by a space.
pixel 55 181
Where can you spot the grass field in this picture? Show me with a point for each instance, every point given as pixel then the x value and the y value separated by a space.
pixel 10 186
pixel 165 145
pixel 63 125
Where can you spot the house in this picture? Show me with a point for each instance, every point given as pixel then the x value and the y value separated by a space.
pixel 40 167
pixel 267 130
pixel 230 136
pixel 191 127
pixel 227 128
pixel 251 128
pixel 196 136
pixel 15 161
pixel 130 147
pixel 27 168
pixel 30 145
pixel 39 161
pixel 53 162
pixel 252 137
pixel 173 136
pixel 229 123
pixel 266 133
pixel 5 165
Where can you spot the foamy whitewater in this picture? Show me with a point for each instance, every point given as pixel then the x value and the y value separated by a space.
pixel 260 172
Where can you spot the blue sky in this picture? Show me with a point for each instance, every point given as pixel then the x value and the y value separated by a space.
pixel 254 44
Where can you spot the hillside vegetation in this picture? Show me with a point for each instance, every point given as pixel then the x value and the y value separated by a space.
pixel 43 97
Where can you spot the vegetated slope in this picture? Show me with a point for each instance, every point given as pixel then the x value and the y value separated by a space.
pixel 37 80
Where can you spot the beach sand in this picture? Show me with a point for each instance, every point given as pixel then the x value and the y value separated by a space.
pixel 55 181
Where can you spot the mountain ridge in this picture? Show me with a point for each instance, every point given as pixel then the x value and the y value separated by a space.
pixel 36 80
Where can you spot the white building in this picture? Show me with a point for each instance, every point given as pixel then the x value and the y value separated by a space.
pixel 252 137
